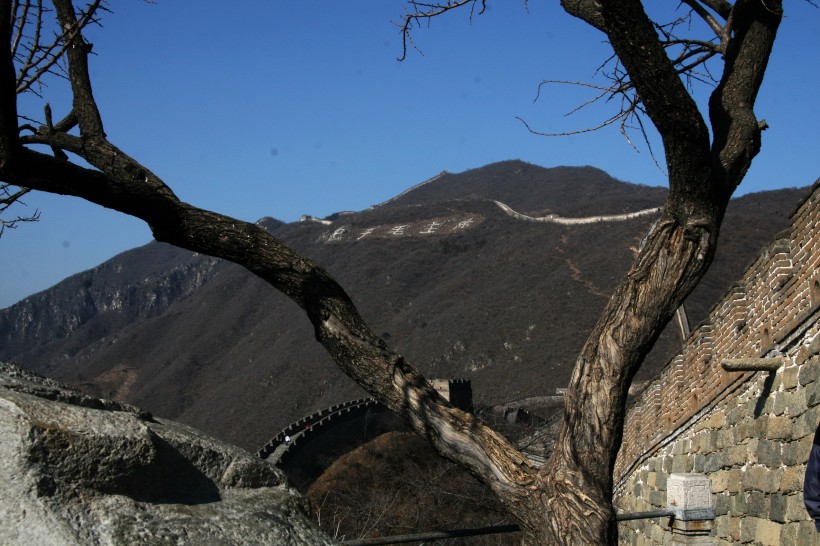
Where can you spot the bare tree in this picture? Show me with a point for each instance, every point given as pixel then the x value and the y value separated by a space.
pixel 9 195
pixel 38 52
pixel 567 501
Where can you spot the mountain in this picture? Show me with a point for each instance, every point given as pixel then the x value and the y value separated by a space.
pixel 454 273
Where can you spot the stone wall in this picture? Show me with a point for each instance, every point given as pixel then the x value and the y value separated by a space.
pixel 458 391
pixel 750 432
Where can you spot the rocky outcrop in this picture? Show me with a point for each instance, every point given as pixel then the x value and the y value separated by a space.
pixel 99 303
pixel 80 470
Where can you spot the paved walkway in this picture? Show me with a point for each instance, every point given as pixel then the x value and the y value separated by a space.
pixel 281 448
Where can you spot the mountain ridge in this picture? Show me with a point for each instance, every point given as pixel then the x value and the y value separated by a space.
pixel 504 302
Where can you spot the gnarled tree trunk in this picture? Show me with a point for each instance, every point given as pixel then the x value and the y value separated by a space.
pixel 568 501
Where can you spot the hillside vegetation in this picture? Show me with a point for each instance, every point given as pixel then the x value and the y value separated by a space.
pixel 458 286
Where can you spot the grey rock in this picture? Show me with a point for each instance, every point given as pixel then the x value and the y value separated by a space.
pixel 79 470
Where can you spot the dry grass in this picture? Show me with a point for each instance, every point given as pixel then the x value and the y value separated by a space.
pixel 397 485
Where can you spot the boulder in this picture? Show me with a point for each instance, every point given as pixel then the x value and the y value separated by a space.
pixel 80 470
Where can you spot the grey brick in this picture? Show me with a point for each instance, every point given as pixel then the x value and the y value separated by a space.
pixel 809 372
pixel 758 504
pixel 778 508
pixel 769 453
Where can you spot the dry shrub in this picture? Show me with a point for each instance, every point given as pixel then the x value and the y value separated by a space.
pixel 396 484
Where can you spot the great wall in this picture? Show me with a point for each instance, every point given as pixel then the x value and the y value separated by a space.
pixel 445 225
pixel 749 432
pixel 307 447
pixel 556 219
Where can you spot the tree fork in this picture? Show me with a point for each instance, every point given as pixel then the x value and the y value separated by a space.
pixel 568 501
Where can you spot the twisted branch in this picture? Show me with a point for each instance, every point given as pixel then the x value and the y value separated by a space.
pixel 34 58
pixel 10 195
pixel 424 11
pixel 119 182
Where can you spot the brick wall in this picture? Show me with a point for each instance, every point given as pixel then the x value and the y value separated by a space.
pixel 749 432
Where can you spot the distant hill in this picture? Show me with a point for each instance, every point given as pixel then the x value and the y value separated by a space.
pixel 441 272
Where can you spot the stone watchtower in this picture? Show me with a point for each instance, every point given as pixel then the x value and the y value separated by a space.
pixel 458 391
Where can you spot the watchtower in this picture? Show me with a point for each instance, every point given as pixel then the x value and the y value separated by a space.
pixel 458 391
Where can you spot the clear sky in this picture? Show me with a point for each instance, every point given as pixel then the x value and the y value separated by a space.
pixel 271 108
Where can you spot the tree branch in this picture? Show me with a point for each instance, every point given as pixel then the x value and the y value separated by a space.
pixel 721 7
pixel 735 126
pixel 668 104
pixel 337 324
pixel 9 197
pixel 703 13
pixel 43 58
pixel 588 11
pixel 85 107
pixel 424 11
pixel 121 183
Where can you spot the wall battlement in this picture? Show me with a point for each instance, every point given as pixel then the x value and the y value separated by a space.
pixel 458 391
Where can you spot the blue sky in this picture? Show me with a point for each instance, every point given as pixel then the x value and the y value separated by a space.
pixel 270 108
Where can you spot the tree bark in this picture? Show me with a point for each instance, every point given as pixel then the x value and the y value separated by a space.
pixel 673 257
pixel 568 501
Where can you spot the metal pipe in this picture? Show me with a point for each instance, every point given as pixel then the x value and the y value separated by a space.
pixel 512 528
pixel 645 515
pixel 433 535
